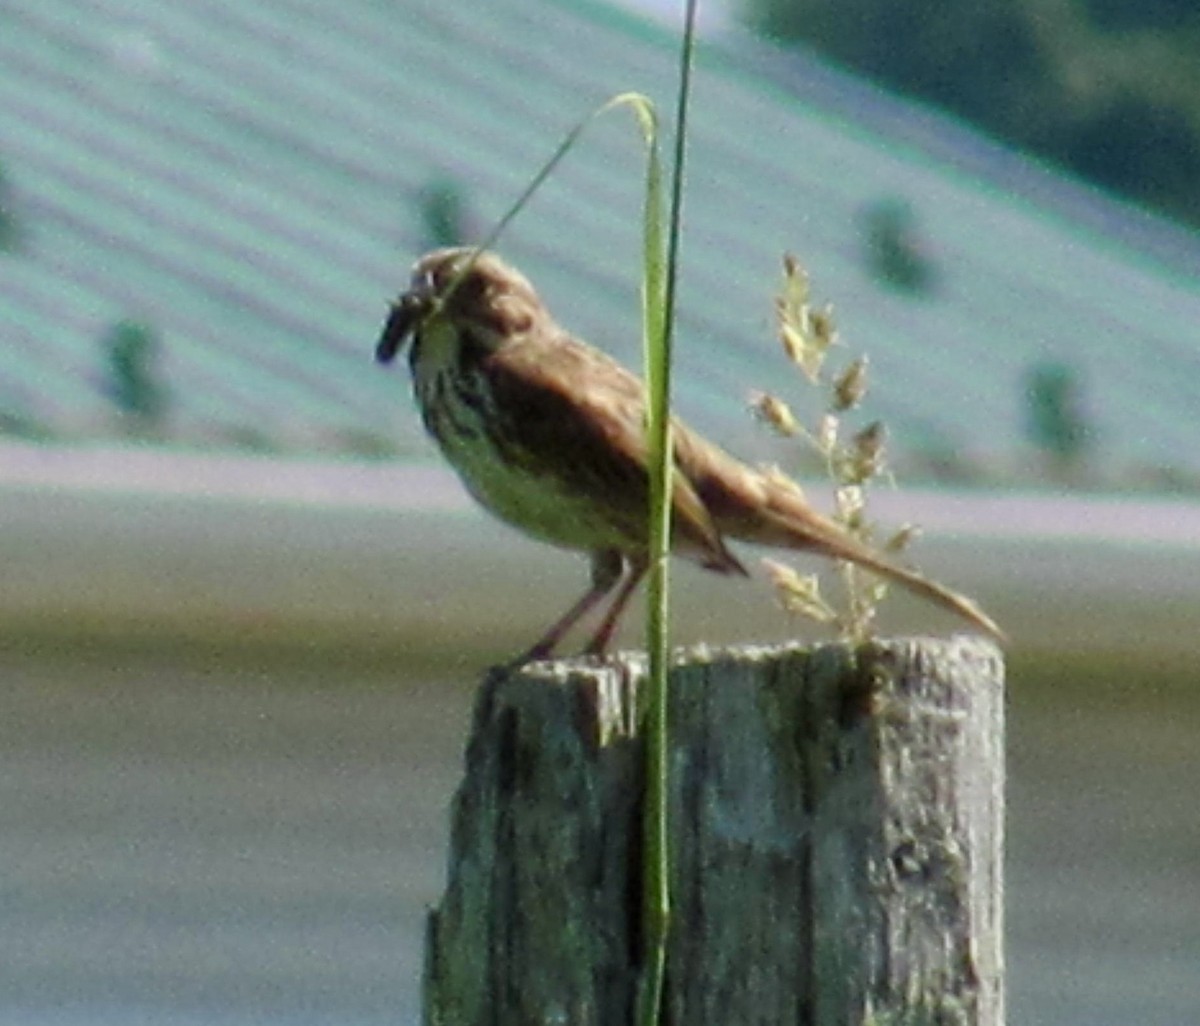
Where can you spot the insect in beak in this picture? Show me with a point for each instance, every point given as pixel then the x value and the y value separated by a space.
pixel 406 314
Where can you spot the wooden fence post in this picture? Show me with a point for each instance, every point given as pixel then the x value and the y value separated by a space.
pixel 837 828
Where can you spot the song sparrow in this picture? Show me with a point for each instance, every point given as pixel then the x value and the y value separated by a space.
pixel 548 434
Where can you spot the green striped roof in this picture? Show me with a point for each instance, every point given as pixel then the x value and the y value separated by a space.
pixel 246 180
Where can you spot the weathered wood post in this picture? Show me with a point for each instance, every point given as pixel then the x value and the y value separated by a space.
pixel 837 823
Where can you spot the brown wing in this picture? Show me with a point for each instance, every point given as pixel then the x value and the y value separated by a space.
pixel 578 415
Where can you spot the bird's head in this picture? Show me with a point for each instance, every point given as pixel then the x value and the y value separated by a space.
pixel 463 285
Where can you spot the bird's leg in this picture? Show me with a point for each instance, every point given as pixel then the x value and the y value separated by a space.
pixel 607 567
pixel 604 635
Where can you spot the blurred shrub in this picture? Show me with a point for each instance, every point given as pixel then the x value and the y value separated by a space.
pixel 133 383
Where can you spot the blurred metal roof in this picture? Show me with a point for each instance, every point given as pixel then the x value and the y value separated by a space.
pixel 246 181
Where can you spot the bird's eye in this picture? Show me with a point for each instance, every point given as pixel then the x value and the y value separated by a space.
pixel 423 280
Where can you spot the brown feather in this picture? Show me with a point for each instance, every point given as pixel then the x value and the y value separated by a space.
pixel 604 433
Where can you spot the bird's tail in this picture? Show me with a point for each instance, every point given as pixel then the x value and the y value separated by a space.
pixel 918 584
pixel 789 522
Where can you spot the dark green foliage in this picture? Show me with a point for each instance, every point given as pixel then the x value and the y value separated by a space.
pixel 1056 422
pixel 10 229
pixel 957 55
pixel 134 384
pixel 896 251
pixel 1142 14
pixel 1145 149
pixel 443 209
pixel 1109 89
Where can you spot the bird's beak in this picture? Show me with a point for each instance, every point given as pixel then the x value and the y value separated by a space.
pixel 406 314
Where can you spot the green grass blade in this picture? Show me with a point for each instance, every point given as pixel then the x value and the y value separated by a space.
pixel 658 289
pixel 659 250
pixel 656 316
